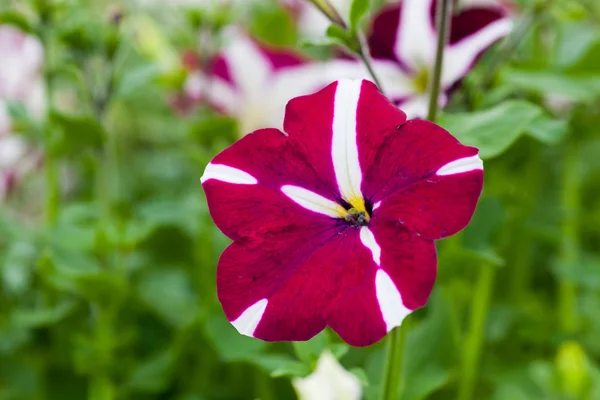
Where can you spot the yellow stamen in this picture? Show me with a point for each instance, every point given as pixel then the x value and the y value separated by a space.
pixel 358 203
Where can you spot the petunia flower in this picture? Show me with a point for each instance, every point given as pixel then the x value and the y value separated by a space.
pixel 253 82
pixel 405 34
pixel 20 82
pixel 20 71
pixel 334 221
pixel 329 381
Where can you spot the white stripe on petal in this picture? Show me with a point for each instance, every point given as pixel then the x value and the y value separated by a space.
pixel 459 58
pixel 415 38
pixel 344 148
pixel 390 301
pixel 248 65
pixel 461 165
pixel 227 174
pixel 313 202
pixel 247 322
pixel 376 205
pixel 368 240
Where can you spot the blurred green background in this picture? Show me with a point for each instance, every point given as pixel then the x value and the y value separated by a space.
pixel 108 253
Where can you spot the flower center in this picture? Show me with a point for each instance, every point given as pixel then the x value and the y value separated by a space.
pixel 421 80
pixel 357 218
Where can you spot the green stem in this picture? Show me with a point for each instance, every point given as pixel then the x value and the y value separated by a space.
pixel 569 248
pixel 329 11
pixel 475 335
pixel 366 59
pixel 393 370
pixel 443 16
pixel 393 381
pixel 52 198
pixel 52 181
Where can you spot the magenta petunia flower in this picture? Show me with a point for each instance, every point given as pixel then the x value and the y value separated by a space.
pixel 333 222
pixel 405 34
pixel 251 81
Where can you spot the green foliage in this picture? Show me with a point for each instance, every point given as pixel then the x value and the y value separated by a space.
pixel 115 298
pixel 358 11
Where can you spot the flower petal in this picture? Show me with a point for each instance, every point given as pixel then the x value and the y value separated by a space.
pixel 460 57
pixel 410 263
pixel 382 38
pixel 275 159
pixel 399 158
pixel 344 147
pixel 248 67
pixel 293 276
pixel 392 274
pixel 441 205
pixel 473 18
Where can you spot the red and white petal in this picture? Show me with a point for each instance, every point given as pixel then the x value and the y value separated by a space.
pixel 352 112
pixel 241 206
pixel 474 17
pixel 247 66
pixel 405 33
pixel 323 127
pixel 410 263
pixel 277 288
pixel 460 56
pixel 357 314
pixel 400 272
pixel 275 160
pixel 416 37
pixel 414 152
pixel 440 205
pixel 383 35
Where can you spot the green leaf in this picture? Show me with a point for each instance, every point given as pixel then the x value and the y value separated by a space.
pixel 575 41
pixel 342 37
pixel 358 10
pixel 270 362
pixel 548 130
pixel 585 273
pixel 205 130
pixel 17 19
pixel 76 132
pixel 168 292
pixel 133 80
pixel 36 318
pixel 479 234
pixel 268 19
pixel 575 87
pixel 229 343
pixel 310 350
pixel 493 130
pixel 361 375
pixel 16 268
pixel 153 375
pixel 339 349
pixel 291 368
pixel 428 356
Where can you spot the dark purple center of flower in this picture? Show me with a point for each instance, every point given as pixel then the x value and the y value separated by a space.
pixel 356 218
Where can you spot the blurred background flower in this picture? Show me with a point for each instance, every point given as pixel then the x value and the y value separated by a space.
pixel 107 290
pixel 329 381
pixel 21 85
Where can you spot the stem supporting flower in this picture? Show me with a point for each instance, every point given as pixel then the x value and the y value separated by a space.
pixel 569 248
pixel 393 372
pixel 443 16
pixel 475 334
